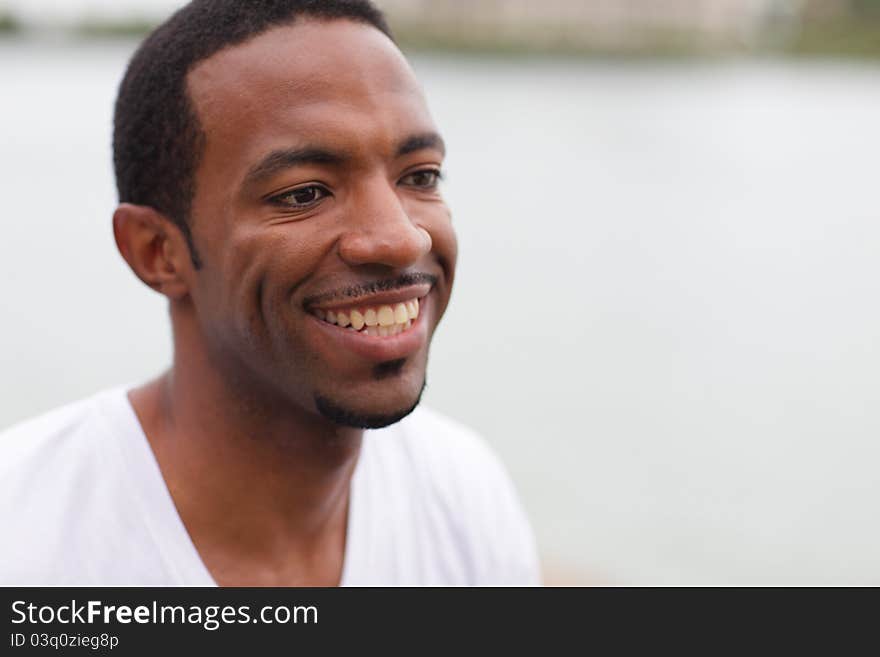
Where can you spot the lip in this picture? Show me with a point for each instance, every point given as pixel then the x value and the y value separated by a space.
pixel 374 347
pixel 388 298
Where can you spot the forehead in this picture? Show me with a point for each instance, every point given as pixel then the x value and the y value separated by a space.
pixel 336 82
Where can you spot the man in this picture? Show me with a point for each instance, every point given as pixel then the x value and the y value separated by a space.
pixel 278 176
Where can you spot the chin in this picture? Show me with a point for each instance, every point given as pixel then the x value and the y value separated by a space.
pixel 374 414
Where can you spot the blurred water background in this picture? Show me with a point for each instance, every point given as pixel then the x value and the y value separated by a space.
pixel 666 317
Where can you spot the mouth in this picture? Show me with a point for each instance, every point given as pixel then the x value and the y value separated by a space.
pixel 377 327
pixel 383 320
pixel 379 316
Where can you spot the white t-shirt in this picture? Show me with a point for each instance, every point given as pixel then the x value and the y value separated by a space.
pixel 83 502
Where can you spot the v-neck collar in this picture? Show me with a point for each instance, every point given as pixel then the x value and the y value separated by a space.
pixel 156 506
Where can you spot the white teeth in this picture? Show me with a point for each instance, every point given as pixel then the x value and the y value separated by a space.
pixel 385 316
pixel 383 321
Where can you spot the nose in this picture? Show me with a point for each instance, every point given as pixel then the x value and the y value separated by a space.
pixel 380 231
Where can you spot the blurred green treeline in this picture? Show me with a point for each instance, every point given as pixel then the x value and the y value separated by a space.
pixel 850 28
pixel 631 28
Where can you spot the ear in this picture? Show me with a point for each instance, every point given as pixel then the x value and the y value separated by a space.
pixel 154 247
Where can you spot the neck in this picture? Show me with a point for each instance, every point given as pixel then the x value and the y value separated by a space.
pixel 261 486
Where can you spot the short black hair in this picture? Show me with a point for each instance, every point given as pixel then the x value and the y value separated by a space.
pixel 157 138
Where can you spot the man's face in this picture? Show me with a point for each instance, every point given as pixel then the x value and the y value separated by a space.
pixel 316 200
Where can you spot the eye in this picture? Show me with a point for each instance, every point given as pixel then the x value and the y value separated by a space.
pixel 422 179
pixel 301 197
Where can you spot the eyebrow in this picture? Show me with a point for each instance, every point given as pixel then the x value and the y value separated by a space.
pixel 288 158
pixel 423 141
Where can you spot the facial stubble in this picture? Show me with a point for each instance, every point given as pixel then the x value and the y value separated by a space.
pixel 341 415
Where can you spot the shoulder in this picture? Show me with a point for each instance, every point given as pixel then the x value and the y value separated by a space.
pixel 45 436
pixel 459 460
pixel 429 434
pixel 67 446
pixel 39 456
pixel 50 471
pixel 458 471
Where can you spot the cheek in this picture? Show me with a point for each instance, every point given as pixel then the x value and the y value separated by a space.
pixel 444 242
pixel 264 268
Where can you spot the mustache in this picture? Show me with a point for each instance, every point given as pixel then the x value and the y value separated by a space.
pixel 371 287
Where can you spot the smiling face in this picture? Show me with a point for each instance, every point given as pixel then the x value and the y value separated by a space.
pixel 316 215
